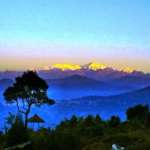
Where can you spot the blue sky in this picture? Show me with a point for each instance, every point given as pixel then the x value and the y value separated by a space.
pixel 37 33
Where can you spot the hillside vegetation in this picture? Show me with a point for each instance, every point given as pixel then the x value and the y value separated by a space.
pixel 88 133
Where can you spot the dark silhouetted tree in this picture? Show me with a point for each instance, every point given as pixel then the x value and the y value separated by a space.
pixel 73 121
pixel 17 134
pixel 89 121
pixel 114 121
pixel 138 113
pixel 98 119
pixel 9 121
pixel 28 90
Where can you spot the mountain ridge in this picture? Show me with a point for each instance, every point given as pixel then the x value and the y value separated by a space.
pixel 92 70
pixel 146 89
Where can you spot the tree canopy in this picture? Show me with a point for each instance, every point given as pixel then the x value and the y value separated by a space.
pixel 27 90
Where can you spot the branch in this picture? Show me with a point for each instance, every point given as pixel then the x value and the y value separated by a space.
pixel 19 108
pixel 23 103
pixel 29 107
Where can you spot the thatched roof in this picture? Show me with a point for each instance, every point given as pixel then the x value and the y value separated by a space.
pixel 36 119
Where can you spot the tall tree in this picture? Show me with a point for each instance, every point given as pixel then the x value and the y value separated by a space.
pixel 28 90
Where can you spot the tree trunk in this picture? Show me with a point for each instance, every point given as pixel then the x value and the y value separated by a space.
pixel 26 115
pixel 26 120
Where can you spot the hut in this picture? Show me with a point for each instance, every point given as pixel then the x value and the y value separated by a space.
pixel 36 120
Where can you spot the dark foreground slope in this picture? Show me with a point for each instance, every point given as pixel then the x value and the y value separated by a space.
pixel 84 133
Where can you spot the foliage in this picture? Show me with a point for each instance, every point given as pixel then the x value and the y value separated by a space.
pixel 138 114
pixel 17 134
pixel 86 133
pixel 28 90
pixel 114 121
pixel 9 121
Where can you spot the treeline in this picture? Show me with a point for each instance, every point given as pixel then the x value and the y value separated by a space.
pixel 84 133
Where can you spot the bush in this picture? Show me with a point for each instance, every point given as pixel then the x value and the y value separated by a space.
pixel 17 134
pixel 114 121
pixel 138 113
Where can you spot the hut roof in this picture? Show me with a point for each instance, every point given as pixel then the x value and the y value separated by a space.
pixel 36 119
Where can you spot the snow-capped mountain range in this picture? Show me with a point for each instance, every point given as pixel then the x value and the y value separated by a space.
pixel 92 70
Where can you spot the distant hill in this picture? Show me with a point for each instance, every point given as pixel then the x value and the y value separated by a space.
pixel 103 105
pixel 106 106
pixel 76 81
pixel 77 86
pixel 132 81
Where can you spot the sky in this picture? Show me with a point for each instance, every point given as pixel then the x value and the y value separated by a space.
pixel 39 33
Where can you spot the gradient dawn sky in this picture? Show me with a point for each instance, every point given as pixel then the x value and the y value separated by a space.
pixel 38 33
